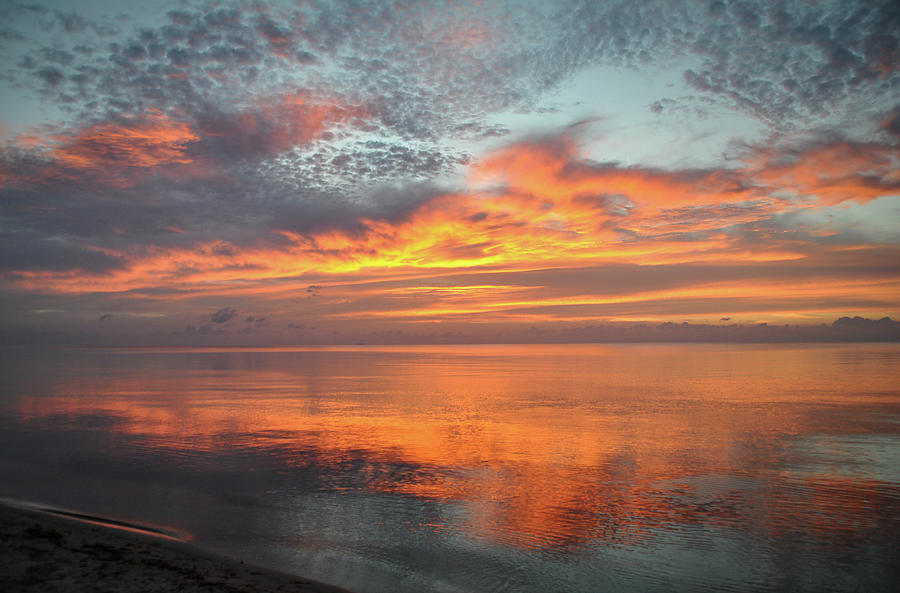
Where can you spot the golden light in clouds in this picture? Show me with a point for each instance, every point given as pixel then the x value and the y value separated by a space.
pixel 541 216
pixel 530 206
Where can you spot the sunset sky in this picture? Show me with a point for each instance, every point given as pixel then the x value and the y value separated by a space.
pixel 337 172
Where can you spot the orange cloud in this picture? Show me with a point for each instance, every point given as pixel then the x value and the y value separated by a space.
pixel 537 207
pixel 554 171
pixel 152 140
pixel 122 152
pixel 833 172
pixel 114 153
pixel 539 303
pixel 553 211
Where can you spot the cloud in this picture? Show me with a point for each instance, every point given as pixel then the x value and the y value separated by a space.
pixel 149 141
pixel 413 84
pixel 891 122
pixel 71 22
pixel 860 328
pixel 806 60
pixel 468 59
pixel 122 151
pixel 551 168
pixel 272 126
pixel 833 170
pixel 223 315
pixel 536 201
pixel 256 150
pixel 21 250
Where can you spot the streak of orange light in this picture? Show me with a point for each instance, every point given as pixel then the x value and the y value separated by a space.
pixel 888 291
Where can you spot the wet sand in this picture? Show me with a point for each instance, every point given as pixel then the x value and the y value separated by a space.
pixel 47 553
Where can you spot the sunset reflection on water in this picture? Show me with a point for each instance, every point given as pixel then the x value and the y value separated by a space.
pixel 768 455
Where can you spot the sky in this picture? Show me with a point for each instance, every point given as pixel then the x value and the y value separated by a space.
pixel 270 173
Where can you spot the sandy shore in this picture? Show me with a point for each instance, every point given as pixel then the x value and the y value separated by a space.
pixel 42 552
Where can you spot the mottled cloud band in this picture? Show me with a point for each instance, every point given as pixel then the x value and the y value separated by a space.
pixel 226 158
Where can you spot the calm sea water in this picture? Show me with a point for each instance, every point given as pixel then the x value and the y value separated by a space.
pixel 575 468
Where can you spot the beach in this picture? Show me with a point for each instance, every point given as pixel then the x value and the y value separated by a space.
pixel 45 552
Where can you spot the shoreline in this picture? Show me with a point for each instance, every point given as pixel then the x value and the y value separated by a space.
pixel 54 550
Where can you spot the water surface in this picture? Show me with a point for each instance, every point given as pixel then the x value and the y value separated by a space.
pixel 569 468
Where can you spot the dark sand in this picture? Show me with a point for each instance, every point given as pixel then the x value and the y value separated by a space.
pixel 47 553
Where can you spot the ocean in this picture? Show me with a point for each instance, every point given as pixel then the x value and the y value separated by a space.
pixel 474 469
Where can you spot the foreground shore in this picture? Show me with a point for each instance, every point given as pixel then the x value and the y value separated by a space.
pixel 41 552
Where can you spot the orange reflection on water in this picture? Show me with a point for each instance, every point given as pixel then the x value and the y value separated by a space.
pixel 540 446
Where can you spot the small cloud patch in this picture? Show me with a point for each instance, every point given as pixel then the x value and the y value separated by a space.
pixel 223 315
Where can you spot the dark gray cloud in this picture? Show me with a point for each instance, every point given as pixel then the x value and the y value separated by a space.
pixel 21 250
pixel 11 12
pixel 71 22
pixel 842 330
pixel 432 73
pixel 422 71
pixel 891 123
pixel 69 222
pixel 784 62
pixel 223 315
pixel 861 328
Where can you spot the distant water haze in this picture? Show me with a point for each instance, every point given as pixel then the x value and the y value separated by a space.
pixel 482 468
